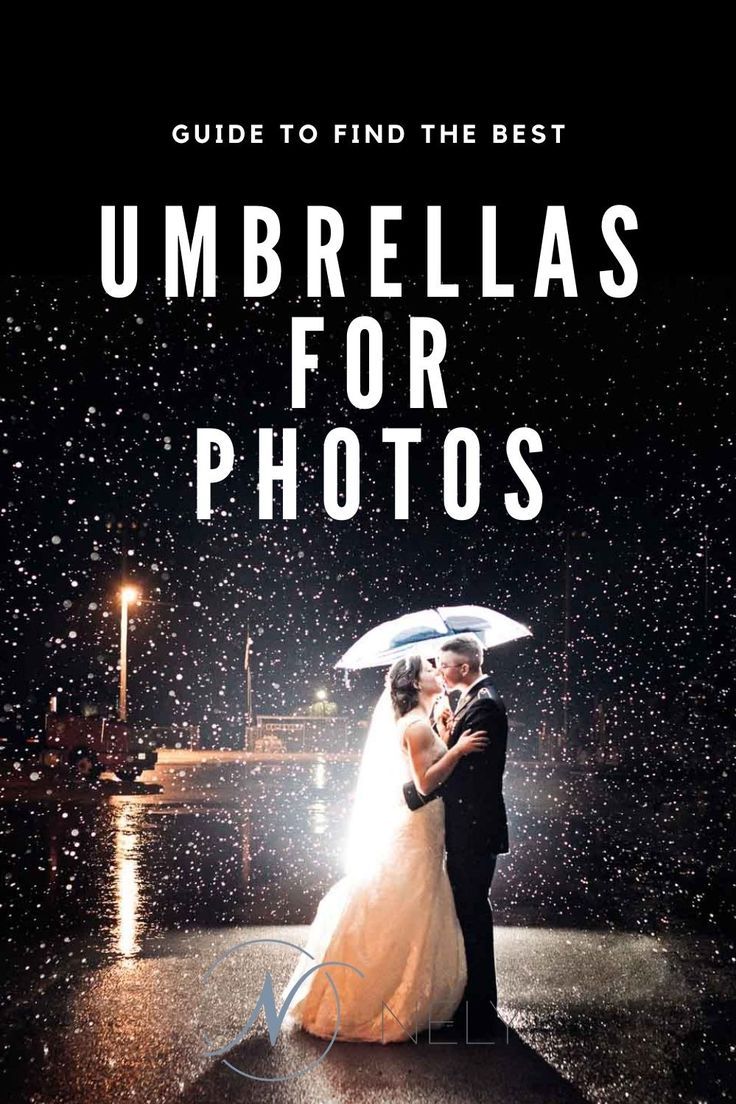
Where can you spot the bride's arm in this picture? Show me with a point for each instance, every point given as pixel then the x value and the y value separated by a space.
pixel 427 771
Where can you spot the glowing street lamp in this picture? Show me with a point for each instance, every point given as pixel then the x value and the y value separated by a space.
pixel 128 594
pixel 320 708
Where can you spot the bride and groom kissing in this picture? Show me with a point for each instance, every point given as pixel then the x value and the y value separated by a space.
pixel 412 919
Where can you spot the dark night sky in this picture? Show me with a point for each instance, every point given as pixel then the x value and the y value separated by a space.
pixel 630 397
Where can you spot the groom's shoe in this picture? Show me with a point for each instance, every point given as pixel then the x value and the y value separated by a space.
pixel 484 1030
pixel 482 1026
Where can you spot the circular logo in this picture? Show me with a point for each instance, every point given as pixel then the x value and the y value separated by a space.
pixel 266 1003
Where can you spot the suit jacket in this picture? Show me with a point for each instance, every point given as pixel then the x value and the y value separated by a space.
pixel 475 813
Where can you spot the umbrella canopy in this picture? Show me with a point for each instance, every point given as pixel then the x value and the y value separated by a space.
pixel 421 633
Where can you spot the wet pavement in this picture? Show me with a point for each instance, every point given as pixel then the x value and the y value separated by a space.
pixel 117 900
pixel 593 1016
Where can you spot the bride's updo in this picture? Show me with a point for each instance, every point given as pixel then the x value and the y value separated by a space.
pixel 402 684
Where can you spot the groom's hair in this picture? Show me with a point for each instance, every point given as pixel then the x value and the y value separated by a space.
pixel 466 646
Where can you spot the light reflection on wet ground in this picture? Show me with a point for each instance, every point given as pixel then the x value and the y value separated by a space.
pixel 108 906
pixel 606 1017
pixel 264 854
pixel 260 843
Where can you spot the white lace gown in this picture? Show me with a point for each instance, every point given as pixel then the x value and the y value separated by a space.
pixel 393 917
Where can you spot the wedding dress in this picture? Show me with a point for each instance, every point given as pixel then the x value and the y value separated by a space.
pixel 392 916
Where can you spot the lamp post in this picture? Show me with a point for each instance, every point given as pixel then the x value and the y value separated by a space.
pixel 128 594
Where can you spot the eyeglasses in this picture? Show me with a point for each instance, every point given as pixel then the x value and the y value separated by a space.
pixel 444 666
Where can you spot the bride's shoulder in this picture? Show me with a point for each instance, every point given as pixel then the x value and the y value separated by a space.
pixel 413 719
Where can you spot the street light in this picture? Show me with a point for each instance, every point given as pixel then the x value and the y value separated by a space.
pixel 128 594
pixel 321 697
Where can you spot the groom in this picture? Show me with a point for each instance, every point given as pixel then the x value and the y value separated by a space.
pixel 476 831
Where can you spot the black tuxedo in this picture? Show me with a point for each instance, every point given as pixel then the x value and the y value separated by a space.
pixel 475 814
pixel 476 832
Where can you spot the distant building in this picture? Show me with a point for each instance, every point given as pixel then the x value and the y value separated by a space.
pixel 301 732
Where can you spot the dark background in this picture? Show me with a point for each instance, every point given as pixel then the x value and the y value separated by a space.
pixel 660 151
pixel 626 827
pixel 630 398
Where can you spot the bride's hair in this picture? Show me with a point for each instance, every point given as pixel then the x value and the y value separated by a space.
pixel 402 679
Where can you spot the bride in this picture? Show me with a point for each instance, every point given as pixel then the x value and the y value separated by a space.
pixel 392 917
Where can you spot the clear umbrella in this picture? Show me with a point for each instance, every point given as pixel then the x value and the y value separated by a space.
pixel 421 633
